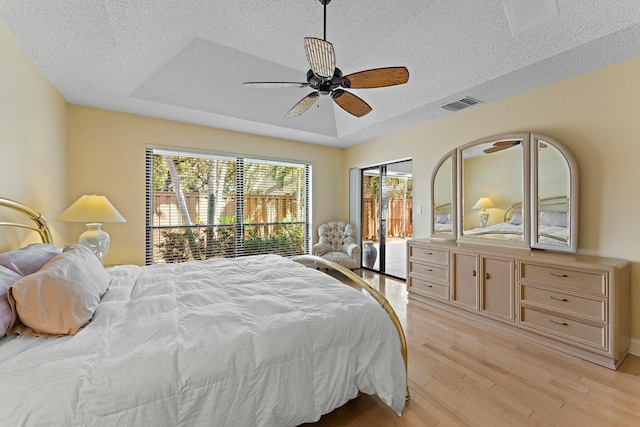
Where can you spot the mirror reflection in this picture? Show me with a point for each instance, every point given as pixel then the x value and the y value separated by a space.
pixel 515 190
pixel 442 192
pixel 553 186
pixel 493 190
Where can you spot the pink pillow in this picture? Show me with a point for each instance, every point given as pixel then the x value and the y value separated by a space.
pixel 29 259
pixel 61 297
pixel 7 278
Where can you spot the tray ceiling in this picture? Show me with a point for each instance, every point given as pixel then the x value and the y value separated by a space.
pixel 185 60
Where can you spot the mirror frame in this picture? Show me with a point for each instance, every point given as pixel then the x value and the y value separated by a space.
pixel 454 212
pixel 530 210
pixel 572 241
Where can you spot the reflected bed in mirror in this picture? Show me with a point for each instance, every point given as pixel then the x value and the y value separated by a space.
pixel 552 223
pixel 493 182
pixel 443 219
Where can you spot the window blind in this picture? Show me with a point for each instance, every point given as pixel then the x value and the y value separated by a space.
pixel 209 205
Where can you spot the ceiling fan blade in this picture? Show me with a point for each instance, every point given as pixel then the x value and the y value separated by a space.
pixel 378 77
pixel 350 103
pixel 274 85
pixel 321 57
pixel 303 105
pixel 502 145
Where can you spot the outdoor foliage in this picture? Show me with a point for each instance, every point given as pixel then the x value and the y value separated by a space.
pixel 214 235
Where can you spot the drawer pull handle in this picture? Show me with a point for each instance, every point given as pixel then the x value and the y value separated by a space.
pixel 428 269
pixel 428 253
pixel 559 274
pixel 558 299
pixel 429 286
pixel 486 276
pixel 559 322
pixel 474 273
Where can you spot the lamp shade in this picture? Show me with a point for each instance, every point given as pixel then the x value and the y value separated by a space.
pixel 484 203
pixel 91 208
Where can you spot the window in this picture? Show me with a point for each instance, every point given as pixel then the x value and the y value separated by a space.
pixel 201 206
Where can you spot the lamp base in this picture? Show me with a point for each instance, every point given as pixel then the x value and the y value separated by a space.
pixel 96 239
pixel 483 216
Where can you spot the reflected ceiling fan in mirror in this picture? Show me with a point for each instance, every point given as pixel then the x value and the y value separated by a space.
pixel 501 145
pixel 326 79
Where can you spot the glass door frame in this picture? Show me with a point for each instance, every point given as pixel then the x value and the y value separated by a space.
pixel 382 173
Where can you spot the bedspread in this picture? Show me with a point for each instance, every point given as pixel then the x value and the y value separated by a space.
pixel 254 341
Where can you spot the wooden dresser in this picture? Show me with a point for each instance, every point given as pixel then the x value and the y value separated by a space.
pixel 576 304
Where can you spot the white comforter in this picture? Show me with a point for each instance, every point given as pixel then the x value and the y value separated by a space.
pixel 247 342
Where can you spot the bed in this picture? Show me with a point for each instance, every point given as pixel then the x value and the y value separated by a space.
pixel 442 218
pixel 252 341
pixel 552 223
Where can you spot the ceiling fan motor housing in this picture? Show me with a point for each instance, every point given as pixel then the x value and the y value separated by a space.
pixel 324 86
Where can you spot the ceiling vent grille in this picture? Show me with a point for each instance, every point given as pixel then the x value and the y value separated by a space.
pixel 463 103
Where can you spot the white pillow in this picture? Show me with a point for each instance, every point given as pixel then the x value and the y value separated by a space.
pixel 61 297
pixel 7 278
pixel 29 259
pixel 516 218
pixel 552 219
pixel 443 218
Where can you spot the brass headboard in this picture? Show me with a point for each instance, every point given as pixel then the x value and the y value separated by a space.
pixel 40 226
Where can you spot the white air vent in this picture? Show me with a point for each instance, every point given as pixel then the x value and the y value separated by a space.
pixel 465 102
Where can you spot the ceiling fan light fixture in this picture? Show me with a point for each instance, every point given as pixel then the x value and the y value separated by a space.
pixel 321 57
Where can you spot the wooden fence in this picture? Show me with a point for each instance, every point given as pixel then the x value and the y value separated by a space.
pixel 258 208
pixel 261 208
pixel 399 218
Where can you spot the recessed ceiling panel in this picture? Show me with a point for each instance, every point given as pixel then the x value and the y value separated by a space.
pixel 208 77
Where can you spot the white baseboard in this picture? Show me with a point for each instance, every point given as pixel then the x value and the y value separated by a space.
pixel 634 347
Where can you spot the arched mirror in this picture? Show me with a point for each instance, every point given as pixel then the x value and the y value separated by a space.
pixel 443 219
pixel 554 196
pixel 515 190
pixel 493 176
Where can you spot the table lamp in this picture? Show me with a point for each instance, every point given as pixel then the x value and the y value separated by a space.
pixel 483 204
pixel 93 210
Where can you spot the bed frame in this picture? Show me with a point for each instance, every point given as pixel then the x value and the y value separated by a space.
pixel 39 222
pixel 41 227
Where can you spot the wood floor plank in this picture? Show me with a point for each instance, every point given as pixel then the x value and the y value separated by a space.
pixel 464 373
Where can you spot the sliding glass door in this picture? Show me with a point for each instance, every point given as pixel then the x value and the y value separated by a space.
pixel 386 217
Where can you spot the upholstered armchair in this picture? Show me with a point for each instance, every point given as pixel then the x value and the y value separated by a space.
pixel 338 244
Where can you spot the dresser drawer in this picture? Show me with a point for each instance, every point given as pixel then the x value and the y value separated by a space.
pixel 568 329
pixel 572 279
pixel 429 255
pixel 593 308
pixel 431 272
pixel 427 288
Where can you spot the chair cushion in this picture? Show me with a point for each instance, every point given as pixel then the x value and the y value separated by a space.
pixel 337 234
pixel 340 258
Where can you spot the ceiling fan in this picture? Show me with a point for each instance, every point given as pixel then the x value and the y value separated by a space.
pixel 326 79
pixel 501 145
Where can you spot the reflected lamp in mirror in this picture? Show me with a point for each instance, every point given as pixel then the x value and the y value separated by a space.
pixel 93 210
pixel 483 204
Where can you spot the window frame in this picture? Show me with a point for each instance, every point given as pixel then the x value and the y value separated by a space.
pixel 239 225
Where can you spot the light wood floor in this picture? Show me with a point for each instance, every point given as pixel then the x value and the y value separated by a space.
pixel 463 373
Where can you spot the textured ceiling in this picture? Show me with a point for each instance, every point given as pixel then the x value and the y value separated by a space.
pixel 185 60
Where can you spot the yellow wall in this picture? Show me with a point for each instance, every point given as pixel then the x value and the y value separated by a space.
pixel 118 141
pixel 595 115
pixel 32 139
